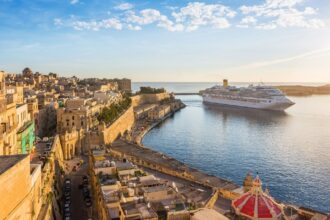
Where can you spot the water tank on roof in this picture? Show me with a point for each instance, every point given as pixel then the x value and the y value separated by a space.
pixel 112 163
pixel 106 163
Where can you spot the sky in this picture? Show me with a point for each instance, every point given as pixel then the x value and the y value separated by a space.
pixel 169 40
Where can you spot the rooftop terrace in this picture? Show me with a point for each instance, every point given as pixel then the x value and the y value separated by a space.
pixel 6 162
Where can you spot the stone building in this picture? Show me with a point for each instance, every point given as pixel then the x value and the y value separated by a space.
pixel 9 126
pixel 33 110
pixel 124 85
pixel 20 188
pixel 18 89
pixel 73 141
pixel 8 119
pixel 46 98
pixel 159 112
pixel 74 120
pixel 74 114
pixel 25 130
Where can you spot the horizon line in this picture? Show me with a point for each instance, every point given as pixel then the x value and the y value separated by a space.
pixel 229 82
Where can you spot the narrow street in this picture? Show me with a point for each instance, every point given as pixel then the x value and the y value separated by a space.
pixel 78 209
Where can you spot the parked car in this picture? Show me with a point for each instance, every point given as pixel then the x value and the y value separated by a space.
pixel 87 197
pixel 67 214
pixel 88 203
pixel 67 181
pixel 85 192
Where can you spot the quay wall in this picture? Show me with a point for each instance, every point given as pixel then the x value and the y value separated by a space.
pixel 150 165
pixel 118 128
pixel 139 138
pixel 210 203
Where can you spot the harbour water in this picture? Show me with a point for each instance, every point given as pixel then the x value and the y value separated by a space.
pixel 289 150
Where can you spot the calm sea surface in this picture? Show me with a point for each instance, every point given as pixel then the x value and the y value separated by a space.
pixel 291 150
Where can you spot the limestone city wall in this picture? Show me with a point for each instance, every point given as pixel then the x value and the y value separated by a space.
pixel 123 123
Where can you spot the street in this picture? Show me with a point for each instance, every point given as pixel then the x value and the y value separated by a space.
pixel 78 209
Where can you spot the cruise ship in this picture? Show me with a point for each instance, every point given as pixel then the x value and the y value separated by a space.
pixel 256 97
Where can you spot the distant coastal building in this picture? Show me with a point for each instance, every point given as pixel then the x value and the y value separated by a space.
pixel 159 112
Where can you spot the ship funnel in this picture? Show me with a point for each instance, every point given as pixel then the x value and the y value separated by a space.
pixel 225 83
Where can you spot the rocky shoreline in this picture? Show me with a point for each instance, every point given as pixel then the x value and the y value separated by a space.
pixel 298 90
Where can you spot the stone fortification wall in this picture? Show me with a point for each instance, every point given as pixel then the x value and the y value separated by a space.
pixel 118 128
pixel 149 98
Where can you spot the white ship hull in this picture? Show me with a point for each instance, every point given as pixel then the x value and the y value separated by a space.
pixel 276 105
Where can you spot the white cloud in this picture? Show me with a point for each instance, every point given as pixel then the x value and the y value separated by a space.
pixel 282 3
pixel 58 22
pixel 187 18
pixel 247 21
pixel 146 16
pixel 73 2
pixel 283 13
pixel 197 14
pixel 124 6
pixel 153 16
pixel 111 23
pixel 265 16
pixel 266 26
pixel 134 27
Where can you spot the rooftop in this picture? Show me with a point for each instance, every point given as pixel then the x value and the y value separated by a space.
pixel 6 162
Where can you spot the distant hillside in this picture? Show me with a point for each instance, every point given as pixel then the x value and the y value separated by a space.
pixel 305 90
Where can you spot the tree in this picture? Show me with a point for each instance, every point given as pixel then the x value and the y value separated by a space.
pixel 109 114
pixel 27 72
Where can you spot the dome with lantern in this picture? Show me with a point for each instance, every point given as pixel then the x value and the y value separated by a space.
pixel 256 204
